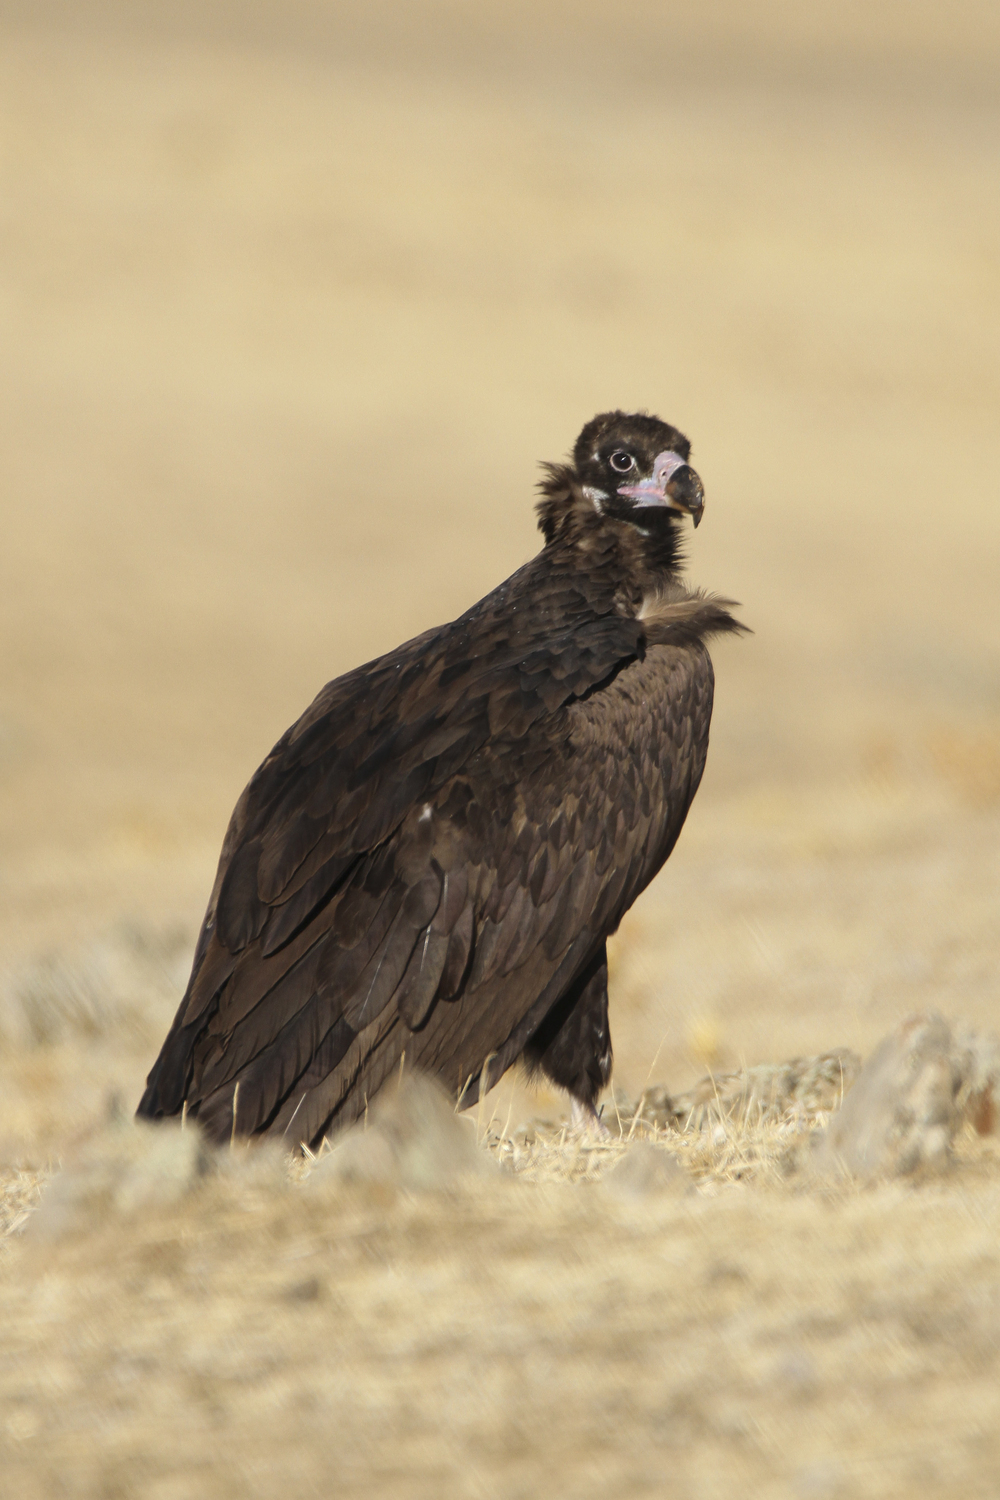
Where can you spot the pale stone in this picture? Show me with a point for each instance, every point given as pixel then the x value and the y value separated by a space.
pixel 902 1113
pixel 412 1139
pixel 127 1167
pixel 644 1170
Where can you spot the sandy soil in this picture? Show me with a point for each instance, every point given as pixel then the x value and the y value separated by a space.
pixel 292 300
pixel 512 1342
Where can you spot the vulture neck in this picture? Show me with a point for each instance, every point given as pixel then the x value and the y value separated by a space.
pixel 631 561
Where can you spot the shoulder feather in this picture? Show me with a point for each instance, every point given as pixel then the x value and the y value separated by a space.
pixel 677 619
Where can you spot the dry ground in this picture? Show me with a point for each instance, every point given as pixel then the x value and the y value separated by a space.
pixel 292 299
pixel 511 1338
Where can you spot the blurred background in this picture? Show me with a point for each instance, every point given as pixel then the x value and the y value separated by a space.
pixel 293 299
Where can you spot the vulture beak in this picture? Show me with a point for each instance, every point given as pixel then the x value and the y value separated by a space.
pixel 673 484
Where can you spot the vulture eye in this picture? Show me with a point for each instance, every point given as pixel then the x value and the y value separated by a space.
pixel 622 462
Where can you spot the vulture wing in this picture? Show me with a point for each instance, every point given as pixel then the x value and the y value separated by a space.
pixel 428 857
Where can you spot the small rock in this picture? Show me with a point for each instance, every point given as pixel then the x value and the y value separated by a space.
pixel 121 1170
pixel 791 1092
pixel 978 1062
pixel 413 1139
pixel 822 1481
pixel 901 1115
pixel 797 1372
pixel 644 1170
pixel 310 1290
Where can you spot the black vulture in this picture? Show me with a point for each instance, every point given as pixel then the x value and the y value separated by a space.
pixel 428 864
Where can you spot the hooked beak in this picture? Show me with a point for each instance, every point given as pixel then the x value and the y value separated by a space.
pixel 674 484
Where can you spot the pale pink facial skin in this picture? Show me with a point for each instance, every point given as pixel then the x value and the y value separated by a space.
pixel 654 491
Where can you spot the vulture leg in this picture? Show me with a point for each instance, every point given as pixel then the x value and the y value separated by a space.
pixel 572 1046
pixel 585 1119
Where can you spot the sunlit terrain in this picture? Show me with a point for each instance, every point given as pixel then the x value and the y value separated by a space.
pixel 293 300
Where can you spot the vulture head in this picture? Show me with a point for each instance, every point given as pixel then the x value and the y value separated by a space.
pixel 626 467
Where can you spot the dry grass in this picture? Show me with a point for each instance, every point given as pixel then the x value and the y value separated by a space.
pixel 119 985
pixel 20 1190
pixel 730 1128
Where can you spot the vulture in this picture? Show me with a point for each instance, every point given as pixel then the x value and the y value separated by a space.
pixel 426 868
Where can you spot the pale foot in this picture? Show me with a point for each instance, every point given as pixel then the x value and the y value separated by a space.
pixel 585 1119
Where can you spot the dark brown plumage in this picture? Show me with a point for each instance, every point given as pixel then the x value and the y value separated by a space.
pixel 430 861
